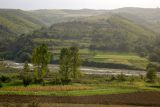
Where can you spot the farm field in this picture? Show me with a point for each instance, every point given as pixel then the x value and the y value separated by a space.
pixel 129 59
pixel 88 86
pixel 96 87
pixel 132 99
pixel 62 105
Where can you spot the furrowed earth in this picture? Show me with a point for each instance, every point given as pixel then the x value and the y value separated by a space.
pixel 132 99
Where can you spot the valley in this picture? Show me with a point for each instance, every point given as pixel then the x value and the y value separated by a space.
pixel 85 57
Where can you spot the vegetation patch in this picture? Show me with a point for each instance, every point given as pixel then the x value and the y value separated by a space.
pixel 47 88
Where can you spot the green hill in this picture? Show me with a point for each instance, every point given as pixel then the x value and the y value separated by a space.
pixel 126 29
pixel 54 16
pixel 148 17
pixel 18 21
pixel 112 33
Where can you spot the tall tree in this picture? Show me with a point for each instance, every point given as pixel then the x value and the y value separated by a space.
pixel 151 74
pixel 26 77
pixel 26 67
pixel 69 64
pixel 65 64
pixel 40 58
pixel 75 61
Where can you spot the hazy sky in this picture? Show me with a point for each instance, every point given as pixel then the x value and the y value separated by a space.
pixel 77 4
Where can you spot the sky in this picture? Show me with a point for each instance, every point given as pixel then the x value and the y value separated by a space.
pixel 77 4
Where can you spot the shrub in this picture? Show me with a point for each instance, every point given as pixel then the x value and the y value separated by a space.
pixel 151 75
pixel 135 78
pixel 1 85
pixel 56 81
pixel 113 78
pixel 5 79
pixel 36 80
pixel 121 77
pixel 66 81
pixel 27 80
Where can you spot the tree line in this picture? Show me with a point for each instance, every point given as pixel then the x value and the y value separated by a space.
pixel 69 65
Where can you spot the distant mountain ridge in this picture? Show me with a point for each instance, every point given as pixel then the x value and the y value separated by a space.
pixel 20 21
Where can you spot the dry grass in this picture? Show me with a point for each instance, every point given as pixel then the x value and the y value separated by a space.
pixel 47 88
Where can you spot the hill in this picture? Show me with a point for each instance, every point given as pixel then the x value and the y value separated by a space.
pixel 49 17
pixel 18 21
pixel 122 30
pixel 148 17
pixel 112 33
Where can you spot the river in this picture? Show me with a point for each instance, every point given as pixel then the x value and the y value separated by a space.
pixel 85 70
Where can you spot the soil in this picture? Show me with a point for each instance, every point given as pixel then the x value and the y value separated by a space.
pixel 138 99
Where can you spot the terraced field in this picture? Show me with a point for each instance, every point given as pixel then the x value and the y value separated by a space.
pixel 121 58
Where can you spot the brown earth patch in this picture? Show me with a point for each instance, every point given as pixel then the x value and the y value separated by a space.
pixel 138 99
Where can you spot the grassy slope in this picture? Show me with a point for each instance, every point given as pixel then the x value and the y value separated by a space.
pixel 84 31
pixel 148 17
pixel 21 22
pixel 18 21
pixel 121 58
pixel 54 16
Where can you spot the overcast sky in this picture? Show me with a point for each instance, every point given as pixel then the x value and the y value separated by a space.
pixel 77 4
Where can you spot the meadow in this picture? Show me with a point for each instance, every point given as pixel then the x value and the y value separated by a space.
pixel 85 86
pixel 130 59
pixel 96 58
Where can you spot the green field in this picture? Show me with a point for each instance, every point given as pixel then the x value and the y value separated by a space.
pixel 121 58
pixel 93 89
pixel 86 85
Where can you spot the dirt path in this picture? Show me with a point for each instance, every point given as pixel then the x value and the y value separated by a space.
pixel 139 99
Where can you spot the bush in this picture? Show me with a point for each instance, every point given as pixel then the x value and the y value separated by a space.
pixel 154 57
pixel 56 81
pixel 113 77
pixel 36 80
pixel 27 80
pixel 151 75
pixel 5 79
pixel 121 77
pixel 66 81
pixel 1 85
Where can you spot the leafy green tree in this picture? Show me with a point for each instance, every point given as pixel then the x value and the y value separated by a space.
pixel 69 64
pixel 154 56
pixel 151 74
pixel 26 67
pixel 65 72
pixel 40 58
pixel 75 61
pixel 26 77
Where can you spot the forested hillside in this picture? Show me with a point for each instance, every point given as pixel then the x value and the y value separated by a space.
pixel 121 30
pixel 49 17
pixel 18 21
pixel 144 16
pixel 114 33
